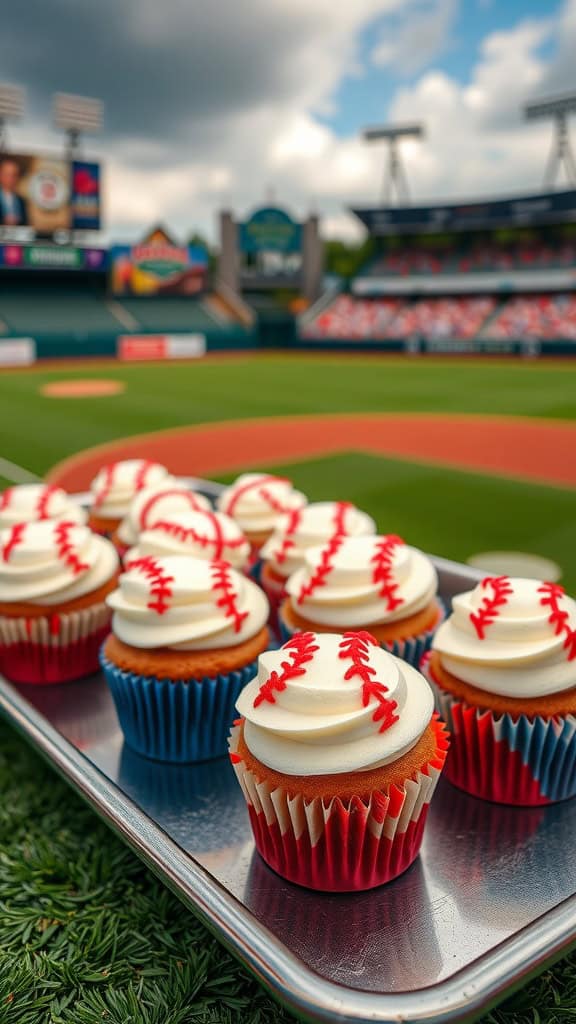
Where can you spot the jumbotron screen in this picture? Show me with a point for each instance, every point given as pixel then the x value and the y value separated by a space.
pixel 48 194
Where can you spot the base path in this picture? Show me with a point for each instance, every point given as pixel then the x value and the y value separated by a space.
pixel 542 451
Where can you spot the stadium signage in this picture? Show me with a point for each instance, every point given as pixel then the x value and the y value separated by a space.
pixel 158 268
pixel 46 257
pixel 17 352
pixel 139 347
pixel 270 229
pixel 48 194
pixel 548 208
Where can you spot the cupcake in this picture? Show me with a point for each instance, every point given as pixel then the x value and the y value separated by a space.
pixel 54 579
pixel 322 522
pixel 379 584
pixel 186 635
pixel 30 503
pixel 256 501
pixel 167 500
pixel 338 753
pixel 211 536
pixel 503 667
pixel 114 487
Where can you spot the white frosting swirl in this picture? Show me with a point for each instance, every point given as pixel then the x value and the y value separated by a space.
pixel 168 500
pixel 29 503
pixel 285 550
pixel 186 604
pixel 48 563
pixel 114 487
pixel 206 535
pixel 513 637
pixel 257 501
pixel 322 720
pixel 365 581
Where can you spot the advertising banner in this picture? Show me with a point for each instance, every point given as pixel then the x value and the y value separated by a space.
pixel 137 347
pixel 158 268
pixel 48 194
pixel 270 230
pixel 51 257
pixel 17 352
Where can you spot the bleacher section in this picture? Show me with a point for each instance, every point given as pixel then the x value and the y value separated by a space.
pixel 374 319
pixel 535 316
pixel 475 258
pixel 170 314
pixel 347 317
pixel 40 311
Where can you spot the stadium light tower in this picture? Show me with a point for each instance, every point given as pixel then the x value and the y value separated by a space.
pixel 12 103
pixel 74 115
pixel 558 108
pixel 394 172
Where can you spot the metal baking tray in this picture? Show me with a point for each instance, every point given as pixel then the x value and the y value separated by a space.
pixel 490 901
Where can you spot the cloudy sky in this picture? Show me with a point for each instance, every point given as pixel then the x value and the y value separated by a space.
pixel 213 103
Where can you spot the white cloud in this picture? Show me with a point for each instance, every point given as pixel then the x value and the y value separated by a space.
pixel 422 34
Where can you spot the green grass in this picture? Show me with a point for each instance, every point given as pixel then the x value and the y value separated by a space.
pixel 86 933
pixel 36 431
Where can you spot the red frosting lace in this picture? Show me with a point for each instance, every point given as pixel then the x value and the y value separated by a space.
pixel 258 485
pixel 14 538
pixel 356 647
pixel 383 575
pixel 222 583
pixel 491 604
pixel 326 563
pixel 44 500
pixel 140 478
pixel 558 618
pixel 292 525
pixel 5 498
pixel 168 493
pixel 216 540
pixel 66 550
pixel 102 494
pixel 160 589
pixel 301 649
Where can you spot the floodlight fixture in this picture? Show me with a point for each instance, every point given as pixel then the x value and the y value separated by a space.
pixel 75 115
pixel 556 108
pixel 12 105
pixel 394 174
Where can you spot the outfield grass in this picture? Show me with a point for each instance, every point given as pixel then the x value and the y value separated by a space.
pixel 86 933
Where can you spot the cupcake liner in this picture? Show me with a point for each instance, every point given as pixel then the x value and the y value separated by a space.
pixel 411 650
pixel 335 846
pixel 180 721
pixel 522 760
pixel 57 648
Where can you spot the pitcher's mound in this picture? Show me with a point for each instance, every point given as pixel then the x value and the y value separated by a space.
pixel 82 388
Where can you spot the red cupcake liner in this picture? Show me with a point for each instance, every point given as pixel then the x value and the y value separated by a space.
pixel 521 761
pixel 339 846
pixel 57 649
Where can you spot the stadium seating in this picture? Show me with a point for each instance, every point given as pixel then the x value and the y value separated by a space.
pixel 33 311
pixel 535 316
pixel 482 256
pixel 171 314
pixel 353 318
pixel 371 319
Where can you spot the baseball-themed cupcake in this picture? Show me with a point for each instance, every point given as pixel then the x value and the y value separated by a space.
pixel 31 503
pixel 165 501
pixel 211 536
pixel 256 501
pixel 379 584
pixel 320 523
pixel 503 667
pixel 54 579
pixel 186 635
pixel 114 487
pixel 338 753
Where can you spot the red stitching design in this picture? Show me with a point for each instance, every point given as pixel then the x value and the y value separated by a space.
pixel 222 581
pixel 102 494
pixel 15 537
pixel 558 617
pixel 217 541
pixel 288 541
pixel 140 478
pixel 5 498
pixel 260 485
pixel 160 589
pixel 66 550
pixel 44 500
pixel 326 563
pixel 490 608
pixel 301 649
pixel 356 646
pixel 168 493
pixel 382 562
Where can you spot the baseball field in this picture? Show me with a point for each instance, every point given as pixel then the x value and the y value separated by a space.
pixel 457 457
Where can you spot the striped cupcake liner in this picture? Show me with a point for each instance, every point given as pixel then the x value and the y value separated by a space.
pixel 520 760
pixel 411 649
pixel 57 648
pixel 180 721
pixel 337 846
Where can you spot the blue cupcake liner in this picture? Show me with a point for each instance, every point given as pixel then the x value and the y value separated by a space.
pixel 180 721
pixel 546 749
pixel 411 650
